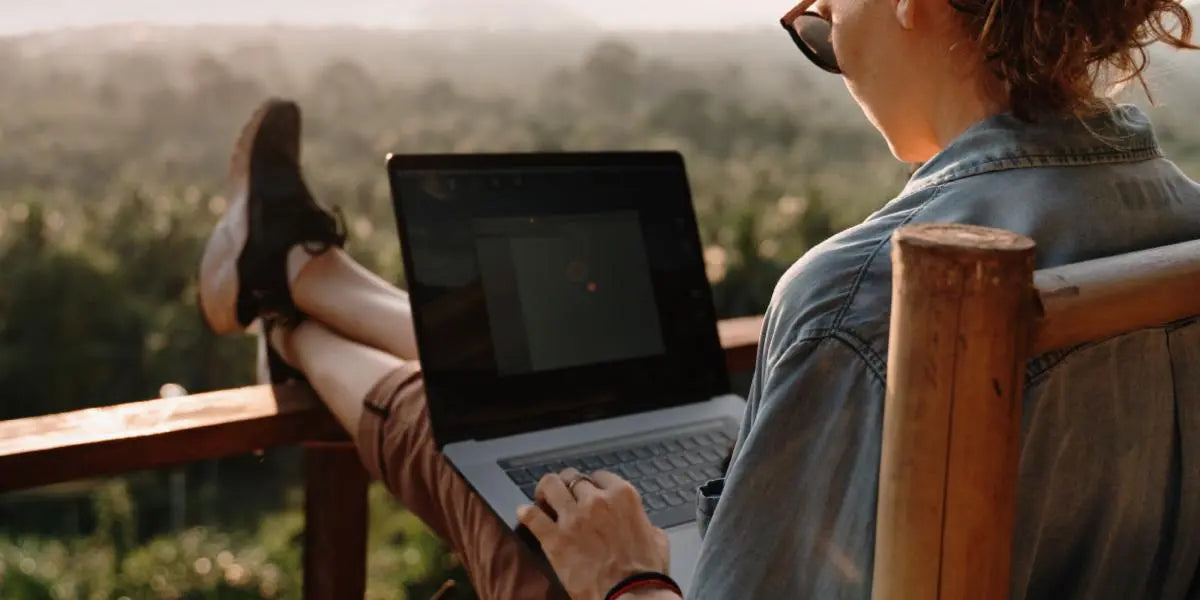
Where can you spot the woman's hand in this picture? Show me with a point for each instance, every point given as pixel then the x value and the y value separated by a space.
pixel 600 535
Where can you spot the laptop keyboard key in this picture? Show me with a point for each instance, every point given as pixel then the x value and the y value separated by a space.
pixel 679 461
pixel 663 464
pixel 694 458
pixel 520 476
pixel 648 485
pixel 688 494
pixel 656 502
pixel 673 446
pixel 625 456
pixel 673 498
pixel 647 467
pixel 680 479
pixel 664 482
pixel 642 453
pixel 593 463
pixel 538 472
pixel 628 472
pixel 609 459
pixel 529 490
pixel 674 515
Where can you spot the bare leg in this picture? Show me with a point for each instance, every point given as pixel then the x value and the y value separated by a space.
pixel 341 371
pixel 342 294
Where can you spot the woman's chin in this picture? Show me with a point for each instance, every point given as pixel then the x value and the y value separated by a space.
pixel 909 153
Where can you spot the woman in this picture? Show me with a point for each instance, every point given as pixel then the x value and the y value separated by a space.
pixel 1002 100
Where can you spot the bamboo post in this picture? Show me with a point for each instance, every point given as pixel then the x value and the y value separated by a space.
pixel 961 319
pixel 335 526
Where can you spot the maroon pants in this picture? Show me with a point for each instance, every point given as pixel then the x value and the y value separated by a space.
pixel 395 440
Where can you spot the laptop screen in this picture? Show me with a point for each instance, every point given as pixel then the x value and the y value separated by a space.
pixel 554 289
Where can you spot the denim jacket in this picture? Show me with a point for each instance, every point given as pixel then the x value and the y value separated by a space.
pixel 1109 490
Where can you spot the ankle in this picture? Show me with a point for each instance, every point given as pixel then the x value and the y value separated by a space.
pixel 298 258
pixel 279 338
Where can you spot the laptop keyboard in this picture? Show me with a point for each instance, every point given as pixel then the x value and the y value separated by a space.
pixel 666 468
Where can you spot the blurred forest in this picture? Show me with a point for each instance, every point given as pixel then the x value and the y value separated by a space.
pixel 113 149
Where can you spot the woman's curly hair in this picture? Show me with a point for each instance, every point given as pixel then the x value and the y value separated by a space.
pixel 1052 55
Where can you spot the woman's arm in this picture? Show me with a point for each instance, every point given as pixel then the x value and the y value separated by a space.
pixel 797 514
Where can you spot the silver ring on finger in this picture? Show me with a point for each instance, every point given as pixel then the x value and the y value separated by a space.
pixel 576 480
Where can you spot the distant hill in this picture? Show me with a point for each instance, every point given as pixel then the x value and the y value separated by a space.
pixel 471 15
pixel 408 14
pixel 485 60
pixel 492 59
pixel 536 15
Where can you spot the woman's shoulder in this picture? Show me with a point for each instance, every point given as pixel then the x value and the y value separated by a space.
pixel 842 285
pixel 1073 213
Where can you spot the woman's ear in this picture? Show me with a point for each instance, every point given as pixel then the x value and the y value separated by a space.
pixel 905 10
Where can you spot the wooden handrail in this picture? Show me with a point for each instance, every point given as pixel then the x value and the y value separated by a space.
pixel 1102 298
pixel 156 433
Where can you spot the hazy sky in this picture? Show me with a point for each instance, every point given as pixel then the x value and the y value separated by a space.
pixel 27 15
pixel 30 15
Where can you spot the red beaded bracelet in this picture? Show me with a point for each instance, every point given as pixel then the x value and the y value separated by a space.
pixel 658 581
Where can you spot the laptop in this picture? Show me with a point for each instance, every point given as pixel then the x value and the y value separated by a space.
pixel 564 319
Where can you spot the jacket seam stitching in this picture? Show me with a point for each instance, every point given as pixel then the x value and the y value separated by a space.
pixel 860 347
pixel 1053 160
pixel 1042 366
pixel 866 265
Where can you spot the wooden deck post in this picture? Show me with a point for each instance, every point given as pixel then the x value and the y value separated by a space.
pixel 335 527
pixel 962 308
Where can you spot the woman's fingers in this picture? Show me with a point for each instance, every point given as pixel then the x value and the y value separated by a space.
pixel 584 488
pixel 618 490
pixel 553 491
pixel 608 480
pixel 539 523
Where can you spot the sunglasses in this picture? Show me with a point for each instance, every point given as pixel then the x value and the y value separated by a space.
pixel 813 35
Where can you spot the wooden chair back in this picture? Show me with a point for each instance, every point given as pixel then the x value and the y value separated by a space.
pixel 968 312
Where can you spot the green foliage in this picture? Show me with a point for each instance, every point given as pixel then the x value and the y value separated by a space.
pixel 406 560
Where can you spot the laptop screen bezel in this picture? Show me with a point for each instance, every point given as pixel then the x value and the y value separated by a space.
pixel 442 389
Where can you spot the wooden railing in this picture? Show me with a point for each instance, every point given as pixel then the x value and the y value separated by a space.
pixel 968 311
pixel 158 433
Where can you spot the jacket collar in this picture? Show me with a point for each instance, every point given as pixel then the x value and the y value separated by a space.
pixel 1004 142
